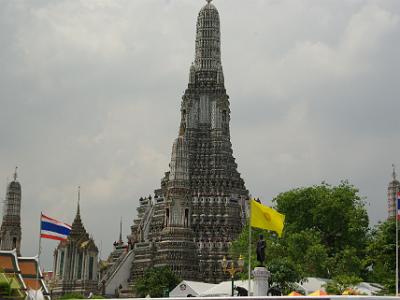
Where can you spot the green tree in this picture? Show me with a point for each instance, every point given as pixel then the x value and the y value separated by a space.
pixel 325 235
pixel 284 274
pixel 305 249
pixel 347 262
pixel 155 281
pixel 381 255
pixel 330 223
pixel 337 213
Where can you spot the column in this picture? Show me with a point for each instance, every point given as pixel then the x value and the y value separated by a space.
pixel 84 277
pixel 261 276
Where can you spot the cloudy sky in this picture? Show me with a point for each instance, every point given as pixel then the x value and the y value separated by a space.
pixel 90 94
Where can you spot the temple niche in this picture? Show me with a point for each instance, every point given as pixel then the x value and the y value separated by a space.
pixel 200 206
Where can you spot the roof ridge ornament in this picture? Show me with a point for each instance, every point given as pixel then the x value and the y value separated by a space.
pixel 394 172
pixel 208 1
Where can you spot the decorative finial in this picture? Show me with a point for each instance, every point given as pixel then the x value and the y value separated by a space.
pixel 208 1
pixel 15 174
pixel 120 230
pixel 394 172
pixel 78 211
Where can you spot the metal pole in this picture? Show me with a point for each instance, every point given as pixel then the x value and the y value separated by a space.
pixel 249 260
pixel 39 252
pixel 397 243
pixel 232 283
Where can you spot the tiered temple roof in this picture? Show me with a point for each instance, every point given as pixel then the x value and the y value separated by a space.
pixel 24 270
pixel 75 261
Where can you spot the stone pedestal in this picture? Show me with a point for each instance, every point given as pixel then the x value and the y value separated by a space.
pixel 261 276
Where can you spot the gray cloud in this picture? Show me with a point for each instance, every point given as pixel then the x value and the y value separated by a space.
pixel 90 94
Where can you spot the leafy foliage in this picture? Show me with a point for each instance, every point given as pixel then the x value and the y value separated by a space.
pixel 155 281
pixel 284 273
pixel 336 213
pixel 381 255
pixel 325 235
pixel 327 227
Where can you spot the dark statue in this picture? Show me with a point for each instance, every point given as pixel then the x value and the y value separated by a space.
pixel 261 245
pixel 241 291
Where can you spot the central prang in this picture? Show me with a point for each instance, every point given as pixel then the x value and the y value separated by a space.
pixel 200 207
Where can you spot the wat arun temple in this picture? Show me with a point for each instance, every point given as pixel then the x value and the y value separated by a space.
pixel 200 207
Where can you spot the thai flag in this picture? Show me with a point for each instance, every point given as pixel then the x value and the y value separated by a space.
pixel 53 229
pixel 398 206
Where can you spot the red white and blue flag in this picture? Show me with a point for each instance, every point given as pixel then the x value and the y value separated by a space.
pixel 398 206
pixel 53 229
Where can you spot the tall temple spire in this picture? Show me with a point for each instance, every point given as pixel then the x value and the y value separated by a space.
pixel 393 189
pixel 77 228
pixel 208 39
pixel 207 68
pixel 201 205
pixel 10 232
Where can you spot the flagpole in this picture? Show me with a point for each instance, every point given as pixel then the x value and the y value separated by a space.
pixel 397 244
pixel 249 262
pixel 39 252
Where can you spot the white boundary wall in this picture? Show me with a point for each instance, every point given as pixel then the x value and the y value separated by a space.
pixel 284 297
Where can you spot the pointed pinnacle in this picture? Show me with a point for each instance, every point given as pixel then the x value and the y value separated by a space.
pixel 78 210
pixel 120 230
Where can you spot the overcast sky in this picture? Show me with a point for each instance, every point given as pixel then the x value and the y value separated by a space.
pixel 90 95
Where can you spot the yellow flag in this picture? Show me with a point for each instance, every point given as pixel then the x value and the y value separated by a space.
pixel 265 217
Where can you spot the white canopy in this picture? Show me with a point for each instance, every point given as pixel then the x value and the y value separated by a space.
pixel 35 295
pixel 193 288
pixel 224 288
